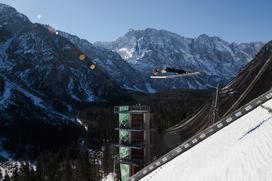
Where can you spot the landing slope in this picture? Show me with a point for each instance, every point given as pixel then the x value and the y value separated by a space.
pixel 240 151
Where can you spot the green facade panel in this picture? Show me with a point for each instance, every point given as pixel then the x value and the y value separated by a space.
pixel 123 120
pixel 124 152
pixel 124 136
pixel 123 108
pixel 125 172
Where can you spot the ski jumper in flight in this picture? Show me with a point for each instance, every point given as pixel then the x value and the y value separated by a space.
pixel 168 69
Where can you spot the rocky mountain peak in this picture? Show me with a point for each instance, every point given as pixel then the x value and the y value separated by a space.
pixel 10 21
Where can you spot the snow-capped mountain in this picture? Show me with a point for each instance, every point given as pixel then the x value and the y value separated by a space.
pixel 111 64
pixel 42 74
pixel 217 59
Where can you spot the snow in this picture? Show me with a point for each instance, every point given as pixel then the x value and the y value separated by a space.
pixel 36 101
pixel 70 86
pixel 4 64
pixel 89 96
pixel 109 177
pixel 149 88
pixel 81 123
pixel 9 86
pixel 85 86
pixel 133 88
pixel 8 167
pixel 240 151
pixel 126 53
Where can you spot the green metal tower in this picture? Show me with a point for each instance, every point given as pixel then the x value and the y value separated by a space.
pixel 134 138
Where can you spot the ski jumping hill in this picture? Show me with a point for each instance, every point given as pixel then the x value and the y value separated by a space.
pixel 238 147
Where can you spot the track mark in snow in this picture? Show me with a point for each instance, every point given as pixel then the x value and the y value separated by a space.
pixel 256 127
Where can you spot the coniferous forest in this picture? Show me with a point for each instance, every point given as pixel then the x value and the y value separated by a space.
pixel 68 152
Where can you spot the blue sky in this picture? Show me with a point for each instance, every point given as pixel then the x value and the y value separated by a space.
pixel 106 20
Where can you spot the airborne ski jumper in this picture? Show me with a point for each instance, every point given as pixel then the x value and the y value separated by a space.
pixel 160 73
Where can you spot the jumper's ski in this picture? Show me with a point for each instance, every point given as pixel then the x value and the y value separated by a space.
pixel 174 76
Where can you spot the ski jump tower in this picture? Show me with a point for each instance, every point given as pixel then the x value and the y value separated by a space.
pixel 134 139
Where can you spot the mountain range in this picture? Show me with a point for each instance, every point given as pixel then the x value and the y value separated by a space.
pixel 216 59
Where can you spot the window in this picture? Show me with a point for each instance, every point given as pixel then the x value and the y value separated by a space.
pixel 137 120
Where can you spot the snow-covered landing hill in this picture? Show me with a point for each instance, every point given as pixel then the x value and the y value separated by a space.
pixel 241 151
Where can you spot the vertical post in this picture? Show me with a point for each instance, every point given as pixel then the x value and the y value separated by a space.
pixel 215 106
pixel 114 164
pixel 147 137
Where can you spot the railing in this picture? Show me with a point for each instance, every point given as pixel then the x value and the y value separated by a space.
pixel 134 126
pixel 132 129
pixel 118 109
pixel 136 145
pixel 131 161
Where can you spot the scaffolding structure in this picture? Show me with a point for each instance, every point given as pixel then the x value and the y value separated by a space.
pixel 134 138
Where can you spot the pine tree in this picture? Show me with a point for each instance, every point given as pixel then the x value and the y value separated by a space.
pixel 39 170
pixel 84 167
pixel 6 177
pixel 24 172
pixel 15 175
pixel 67 173
pixel 107 161
pixel 52 169
pixel 32 175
